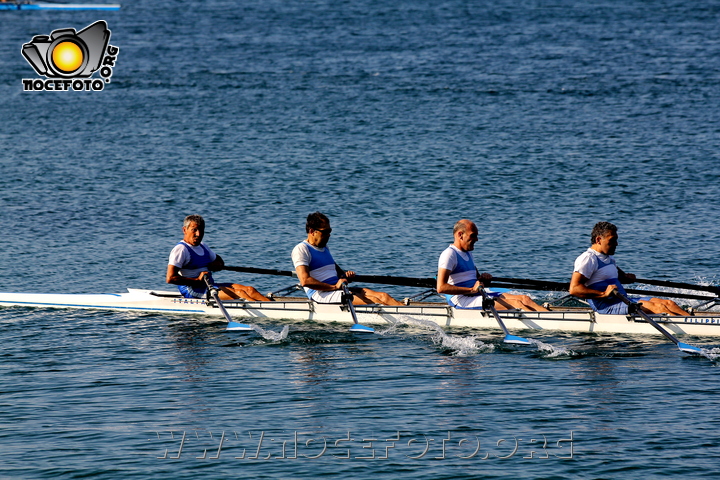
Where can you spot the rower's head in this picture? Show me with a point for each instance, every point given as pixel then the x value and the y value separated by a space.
pixel 604 238
pixel 318 229
pixel 466 235
pixel 193 230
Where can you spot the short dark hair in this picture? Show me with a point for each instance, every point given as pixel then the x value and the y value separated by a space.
pixel 197 219
pixel 315 221
pixel 601 229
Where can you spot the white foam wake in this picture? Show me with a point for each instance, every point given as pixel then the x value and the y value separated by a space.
pixel 270 335
pixel 461 345
pixel 551 350
pixel 712 354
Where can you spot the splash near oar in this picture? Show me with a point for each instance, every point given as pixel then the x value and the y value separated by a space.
pixel 269 334
pixel 634 308
pixel 459 344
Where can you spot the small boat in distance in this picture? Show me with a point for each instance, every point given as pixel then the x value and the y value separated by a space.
pixel 15 5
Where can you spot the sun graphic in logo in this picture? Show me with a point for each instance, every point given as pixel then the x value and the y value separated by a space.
pixel 67 56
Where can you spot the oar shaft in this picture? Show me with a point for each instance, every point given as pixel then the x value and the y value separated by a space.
pixel 651 293
pixel 527 284
pixel 548 285
pixel 501 282
pixel 216 297
pixel 262 271
pixel 687 286
pixel 539 284
pixel 490 305
pixel 349 301
pixel 647 318
pixel 398 281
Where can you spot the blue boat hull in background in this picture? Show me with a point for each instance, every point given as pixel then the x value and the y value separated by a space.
pixel 58 6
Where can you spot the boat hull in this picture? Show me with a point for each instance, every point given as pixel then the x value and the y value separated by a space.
pixel 58 6
pixel 572 320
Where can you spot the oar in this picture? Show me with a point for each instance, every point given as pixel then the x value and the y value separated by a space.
pixel 687 286
pixel 635 308
pixel 357 328
pixel 382 279
pixel 516 283
pixel 397 281
pixel 661 283
pixel 489 304
pixel 548 286
pixel 262 271
pixel 232 325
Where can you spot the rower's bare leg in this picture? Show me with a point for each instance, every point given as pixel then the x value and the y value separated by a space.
pixel 242 291
pixel 523 302
pixel 659 305
pixel 366 296
pixel 253 293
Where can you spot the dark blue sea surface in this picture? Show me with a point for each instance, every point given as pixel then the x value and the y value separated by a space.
pixel 535 119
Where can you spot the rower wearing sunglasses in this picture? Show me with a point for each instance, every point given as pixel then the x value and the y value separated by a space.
pixel 320 276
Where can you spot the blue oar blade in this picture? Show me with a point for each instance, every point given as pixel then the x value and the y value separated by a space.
pixel 357 328
pixel 515 340
pixel 692 350
pixel 238 327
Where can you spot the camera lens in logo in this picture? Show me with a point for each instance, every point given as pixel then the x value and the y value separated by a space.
pixel 68 56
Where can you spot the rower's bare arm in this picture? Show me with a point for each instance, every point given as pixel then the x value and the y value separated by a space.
pixel 626 277
pixel 444 288
pixel 342 274
pixel 578 288
pixel 173 276
pixel 217 264
pixel 306 280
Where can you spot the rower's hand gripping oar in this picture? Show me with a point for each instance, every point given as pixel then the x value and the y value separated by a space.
pixel 634 308
pixel 214 293
pixel 489 304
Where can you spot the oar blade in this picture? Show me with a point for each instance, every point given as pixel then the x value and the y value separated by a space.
pixel 515 340
pixel 358 328
pixel 238 327
pixel 689 349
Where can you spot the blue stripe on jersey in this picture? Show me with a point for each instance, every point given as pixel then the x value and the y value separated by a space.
pixel 322 265
pixel 464 274
pixel 604 305
pixel 196 260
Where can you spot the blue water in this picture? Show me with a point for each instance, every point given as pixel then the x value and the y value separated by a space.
pixel 535 119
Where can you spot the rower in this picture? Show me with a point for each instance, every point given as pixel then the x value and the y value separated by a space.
pixel 318 273
pixel 596 276
pixel 460 281
pixel 191 260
